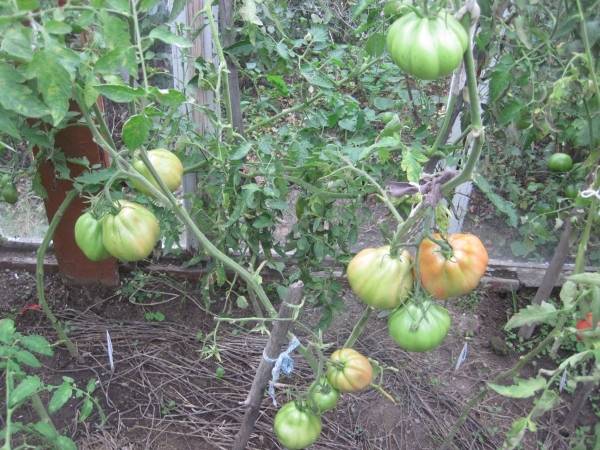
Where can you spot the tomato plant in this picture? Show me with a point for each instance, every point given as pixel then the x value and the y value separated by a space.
pixel 452 266
pixel 560 162
pixel 295 426
pixel 131 233
pixel 379 279
pixel 88 236
pixel 323 395
pixel 349 371
pixel 419 327
pixel 167 166
pixel 427 47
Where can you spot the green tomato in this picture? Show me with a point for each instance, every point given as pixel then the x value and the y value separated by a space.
pixel 131 233
pixel 296 427
pixel 167 165
pixel 427 48
pixel 560 162
pixel 571 191
pixel 323 395
pixel 5 179
pixel 88 236
pixel 9 193
pixel 378 279
pixel 419 328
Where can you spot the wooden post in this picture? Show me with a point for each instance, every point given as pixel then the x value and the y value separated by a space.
pixel 276 341
pixel 228 39
pixel 183 71
pixel 554 268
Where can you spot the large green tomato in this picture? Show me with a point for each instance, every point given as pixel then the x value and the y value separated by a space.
pixel 296 426
pixel 88 236
pixel 378 279
pixel 9 193
pixel 419 328
pixel 167 165
pixel 131 233
pixel 560 162
pixel 427 48
pixel 323 395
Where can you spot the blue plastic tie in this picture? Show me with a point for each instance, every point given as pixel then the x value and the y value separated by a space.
pixel 283 363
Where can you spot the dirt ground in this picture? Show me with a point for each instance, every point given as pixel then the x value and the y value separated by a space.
pixel 177 386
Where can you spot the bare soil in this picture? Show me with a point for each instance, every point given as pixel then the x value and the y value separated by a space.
pixel 166 391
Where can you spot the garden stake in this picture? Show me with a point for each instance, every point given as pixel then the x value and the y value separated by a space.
pixel 263 373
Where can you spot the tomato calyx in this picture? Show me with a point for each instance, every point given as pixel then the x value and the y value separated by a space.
pixel 444 247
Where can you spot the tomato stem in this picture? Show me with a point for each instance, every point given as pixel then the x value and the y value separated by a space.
pixel 359 327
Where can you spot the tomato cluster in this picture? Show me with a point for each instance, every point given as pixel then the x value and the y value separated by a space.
pixel 297 424
pixel 129 232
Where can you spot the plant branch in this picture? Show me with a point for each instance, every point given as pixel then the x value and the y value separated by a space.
pixel 585 235
pixel 588 51
pixel 359 327
pixel 39 273
pixel 138 39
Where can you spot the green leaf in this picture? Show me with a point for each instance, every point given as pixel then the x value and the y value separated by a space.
pixel 279 83
pixel 162 33
pixel 502 205
pixel 412 158
pixel 533 314
pixel 115 31
pixel 119 93
pixel 28 5
pixel 57 27
pixel 90 386
pixel 65 443
pixel 499 82
pixel 120 5
pixel 510 112
pixel 263 221
pixel 375 45
pixel 8 124
pixel 178 6
pixel 60 397
pixel 115 59
pixel 568 294
pixel 18 97
pixel 360 7
pixel 544 403
pixel 241 151
pixel 383 103
pixel 86 409
pixel 589 278
pixel 25 389
pixel 316 78
pixel 516 433
pixel 241 302
pixel 46 430
pixel 7 331
pixel 523 388
pixel 17 42
pixel 147 5
pixel 248 12
pixel 136 130
pixel 24 357
pixel 168 97
pixel 54 83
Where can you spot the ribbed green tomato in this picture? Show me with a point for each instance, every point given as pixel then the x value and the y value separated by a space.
pixel 324 395
pixel 560 162
pixel 88 236
pixel 167 165
pixel 130 234
pixel 427 48
pixel 296 426
pixel 9 193
pixel 419 328
pixel 378 279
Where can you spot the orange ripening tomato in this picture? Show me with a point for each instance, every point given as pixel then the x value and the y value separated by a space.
pixel 349 371
pixel 455 271
pixel 584 324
